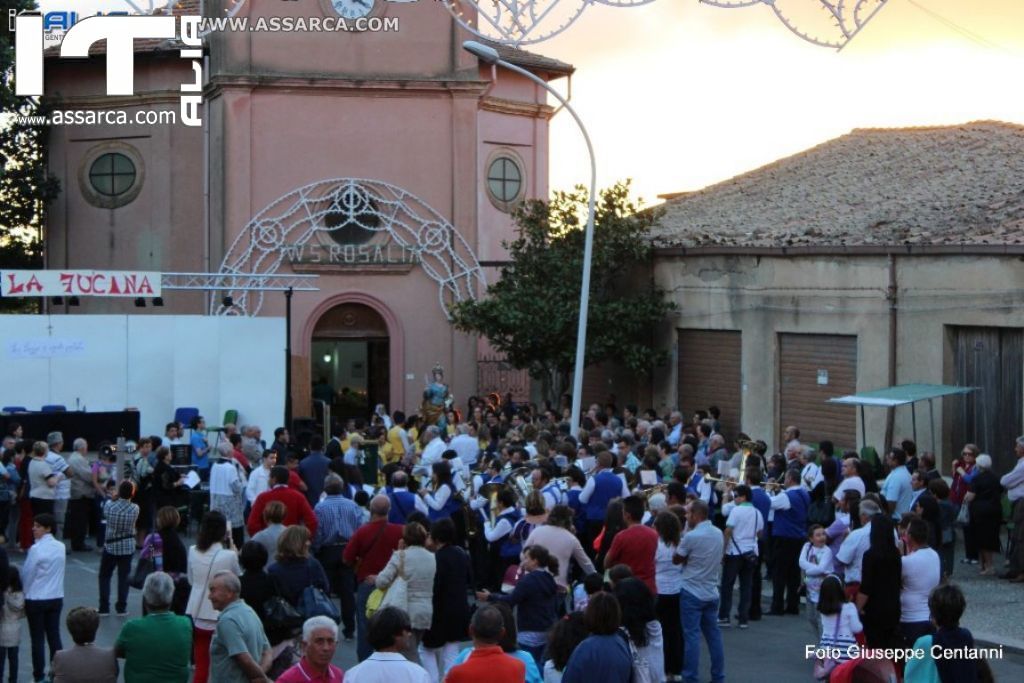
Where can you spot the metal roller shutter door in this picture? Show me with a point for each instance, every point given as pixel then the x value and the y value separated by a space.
pixel 802 399
pixel 710 374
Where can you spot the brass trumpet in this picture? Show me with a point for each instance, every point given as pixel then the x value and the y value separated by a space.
pixel 657 488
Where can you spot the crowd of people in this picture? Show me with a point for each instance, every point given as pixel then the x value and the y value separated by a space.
pixel 606 553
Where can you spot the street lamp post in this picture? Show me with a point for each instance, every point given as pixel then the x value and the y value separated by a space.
pixel 490 56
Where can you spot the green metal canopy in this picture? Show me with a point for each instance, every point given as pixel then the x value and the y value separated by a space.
pixel 901 394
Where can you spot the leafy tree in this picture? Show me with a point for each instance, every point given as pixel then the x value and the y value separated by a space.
pixel 531 313
pixel 25 185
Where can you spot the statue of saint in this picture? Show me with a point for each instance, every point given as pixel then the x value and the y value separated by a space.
pixel 436 399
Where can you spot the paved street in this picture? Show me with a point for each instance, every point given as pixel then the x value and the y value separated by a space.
pixel 773 647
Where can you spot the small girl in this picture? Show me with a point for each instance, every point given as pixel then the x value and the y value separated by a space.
pixel 816 563
pixel 592 583
pixel 10 623
pixel 839 620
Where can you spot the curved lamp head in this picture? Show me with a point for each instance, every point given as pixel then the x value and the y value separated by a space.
pixel 486 53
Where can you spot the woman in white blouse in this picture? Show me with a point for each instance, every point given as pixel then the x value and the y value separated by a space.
pixel 669 579
pixel 213 552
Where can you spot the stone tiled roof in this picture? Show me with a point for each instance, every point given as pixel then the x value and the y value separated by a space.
pixel 530 60
pixel 919 186
pixel 181 8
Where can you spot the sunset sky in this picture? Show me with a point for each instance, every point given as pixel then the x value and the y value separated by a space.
pixel 677 95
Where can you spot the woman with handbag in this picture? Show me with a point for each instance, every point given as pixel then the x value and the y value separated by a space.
pixel 212 553
pixel 163 551
pixel 409 580
pixel 294 569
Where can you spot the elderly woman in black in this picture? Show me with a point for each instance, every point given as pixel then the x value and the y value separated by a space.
pixel 294 568
pixel 984 501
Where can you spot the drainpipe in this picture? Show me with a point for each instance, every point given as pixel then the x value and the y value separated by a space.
pixel 892 296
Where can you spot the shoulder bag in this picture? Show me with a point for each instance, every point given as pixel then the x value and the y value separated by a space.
pixel 313 602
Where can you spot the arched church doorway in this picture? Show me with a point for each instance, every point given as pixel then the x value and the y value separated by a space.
pixel 350 360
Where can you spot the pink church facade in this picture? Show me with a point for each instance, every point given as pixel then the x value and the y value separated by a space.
pixel 385 163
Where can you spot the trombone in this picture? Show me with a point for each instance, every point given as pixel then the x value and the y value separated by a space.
pixel 729 482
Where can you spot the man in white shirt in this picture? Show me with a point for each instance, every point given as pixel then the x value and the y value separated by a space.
pixel 42 577
pixel 389 635
pixel 851 552
pixel 792 437
pixel 432 452
pixel 1013 482
pixel 675 420
pixel 851 480
pixel 259 478
pixel 921 573
pixel 810 474
pixel 743 527
pixel 465 444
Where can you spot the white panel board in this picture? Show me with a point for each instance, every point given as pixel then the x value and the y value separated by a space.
pixel 153 363
pixel 197 354
pixel 25 381
pixel 95 378
pixel 252 372
pixel 150 368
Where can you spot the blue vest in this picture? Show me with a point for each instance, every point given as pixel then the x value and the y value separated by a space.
pixel 607 485
pixel 792 523
pixel 449 508
pixel 508 547
pixel 403 504
pixel 554 491
pixel 762 502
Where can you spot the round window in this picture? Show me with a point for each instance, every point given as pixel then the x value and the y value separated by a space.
pixel 353 217
pixel 504 180
pixel 112 174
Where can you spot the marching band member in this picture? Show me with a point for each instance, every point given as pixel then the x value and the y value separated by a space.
pixel 598 492
pixel 403 502
pixel 541 480
pixel 577 480
pixel 442 501
pixel 503 550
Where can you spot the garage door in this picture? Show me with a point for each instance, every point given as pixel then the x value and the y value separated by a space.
pixel 710 374
pixel 812 369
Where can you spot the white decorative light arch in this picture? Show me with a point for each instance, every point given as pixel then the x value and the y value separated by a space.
pixel 828 23
pixel 294 219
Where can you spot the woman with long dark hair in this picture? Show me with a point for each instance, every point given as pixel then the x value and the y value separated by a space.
pixel 442 501
pixel 668 576
pixel 640 621
pixel 212 553
pixel 614 522
pixel 878 598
